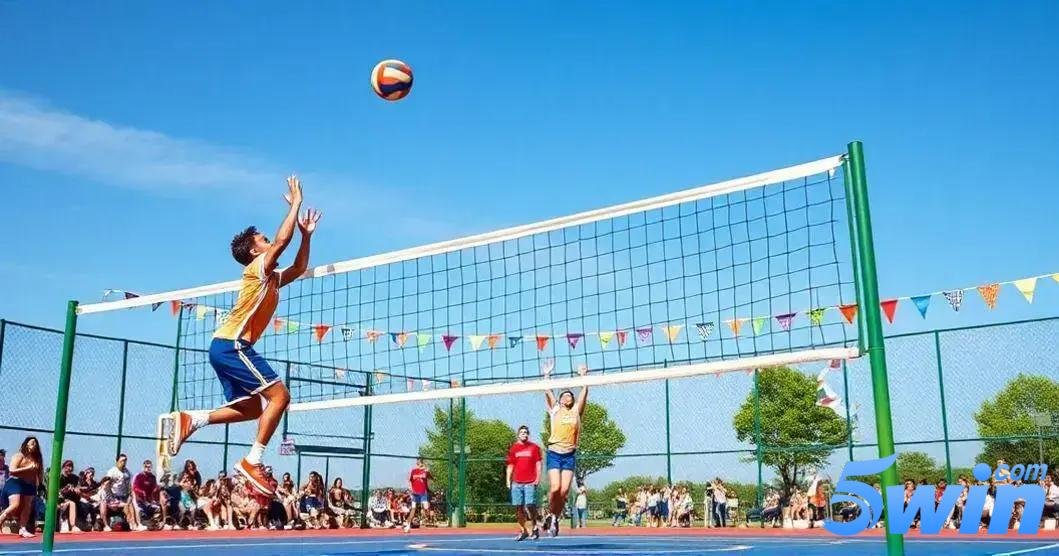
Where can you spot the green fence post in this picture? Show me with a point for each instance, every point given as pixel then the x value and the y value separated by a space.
pixel 759 494
pixel 286 414
pixel 876 342
pixel 3 330
pixel 449 500
pixel 176 357
pixel 121 397
pixel 849 418
pixel 669 451
pixel 62 403
pixel 224 463
pixel 365 470
pixel 327 469
pixel 461 510
pixel 298 471
pixel 944 411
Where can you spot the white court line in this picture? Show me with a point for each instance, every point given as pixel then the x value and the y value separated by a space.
pixel 119 547
pixel 734 548
pixel 1027 550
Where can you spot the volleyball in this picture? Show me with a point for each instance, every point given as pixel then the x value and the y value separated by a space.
pixel 391 79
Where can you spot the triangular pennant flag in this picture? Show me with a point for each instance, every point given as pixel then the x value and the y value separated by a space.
pixel 155 306
pixel 174 307
pixel 786 320
pixel 321 330
pixel 955 298
pixel 449 340
pixel 573 338
pixel 849 312
pixel 922 303
pixel 604 338
pixel 644 334
pixel 834 364
pixel 1055 276
pixel 347 333
pixel 514 340
pixel 422 340
pixel 130 295
pixel 816 316
pixel 293 326
pixel 400 338
pixel 1026 287
pixel 372 335
pixel 476 341
pixel 200 312
pixel 222 315
pixel 759 323
pixel 673 332
pixel 455 383
pixel 106 294
pixel 277 325
pixel 492 340
pixel 889 307
pixel 735 325
pixel 340 374
pixel 705 329
pixel 379 377
pixel 542 341
pixel 989 294
pixel 621 335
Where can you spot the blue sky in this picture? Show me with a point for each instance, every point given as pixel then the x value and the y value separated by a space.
pixel 136 139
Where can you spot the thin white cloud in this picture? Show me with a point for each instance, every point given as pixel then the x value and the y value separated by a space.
pixel 38 136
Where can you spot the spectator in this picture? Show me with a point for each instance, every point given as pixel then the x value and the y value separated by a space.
pixel 313 500
pixel 69 496
pixel 288 498
pixel 663 506
pixel 653 498
pixel 1051 498
pixel 21 486
pixel 380 511
pixel 188 500
pixel 338 499
pixel 88 490
pixel 720 500
pixel 225 511
pixel 684 507
pixel 581 504
pixel 4 470
pixel 243 505
pixel 192 470
pixel 772 511
pixel 207 503
pixel 147 496
pixel 621 508
pixel 120 490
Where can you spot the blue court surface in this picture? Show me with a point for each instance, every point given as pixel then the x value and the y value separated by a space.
pixel 570 545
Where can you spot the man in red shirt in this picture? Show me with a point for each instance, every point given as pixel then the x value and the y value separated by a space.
pixel 146 496
pixel 523 476
pixel 420 493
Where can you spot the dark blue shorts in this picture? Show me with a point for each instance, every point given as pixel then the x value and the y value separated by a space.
pixel 562 462
pixel 242 372
pixel 14 486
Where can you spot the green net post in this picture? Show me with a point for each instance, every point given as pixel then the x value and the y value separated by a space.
pixel 365 476
pixel 286 414
pixel 449 500
pixel 62 402
pixel 849 417
pixel 176 357
pixel 759 494
pixel 669 458
pixel 944 411
pixel 461 510
pixel 121 396
pixel 224 456
pixel 876 345
pixel 298 471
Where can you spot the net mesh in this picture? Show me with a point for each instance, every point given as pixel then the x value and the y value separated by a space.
pixel 759 270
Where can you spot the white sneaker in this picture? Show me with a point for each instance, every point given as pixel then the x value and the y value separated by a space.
pixel 408 527
pixel 64 528
pixel 76 530
pixel 107 529
pixel 22 532
pixel 142 527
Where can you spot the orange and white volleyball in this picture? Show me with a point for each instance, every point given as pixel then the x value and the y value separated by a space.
pixel 391 79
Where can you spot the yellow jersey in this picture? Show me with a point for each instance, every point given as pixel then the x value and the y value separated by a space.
pixel 566 427
pixel 257 301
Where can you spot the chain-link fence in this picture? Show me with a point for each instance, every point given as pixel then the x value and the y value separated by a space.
pixel 958 396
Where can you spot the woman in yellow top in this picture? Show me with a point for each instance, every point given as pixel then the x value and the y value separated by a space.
pixel 565 416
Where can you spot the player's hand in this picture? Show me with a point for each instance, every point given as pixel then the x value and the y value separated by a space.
pixel 307 223
pixel 508 484
pixel 582 370
pixel 547 367
pixel 294 191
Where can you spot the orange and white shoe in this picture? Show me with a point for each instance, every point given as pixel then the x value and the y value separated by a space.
pixel 256 476
pixel 180 430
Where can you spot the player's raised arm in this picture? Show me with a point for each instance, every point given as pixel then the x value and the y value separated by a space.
pixel 546 370
pixel 582 397
pixel 286 229
pixel 307 225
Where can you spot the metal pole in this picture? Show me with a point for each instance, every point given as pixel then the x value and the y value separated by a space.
pixel 757 438
pixel 849 418
pixel 3 330
pixel 461 510
pixel 365 477
pixel 327 469
pixel 176 356
pixel 286 414
pixel 121 397
pixel 298 472
pixel 449 500
pixel 62 403
pixel 876 343
pixel 224 463
pixel 944 412
pixel 669 458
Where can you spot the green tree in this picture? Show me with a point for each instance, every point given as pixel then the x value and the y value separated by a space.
pixel 486 438
pixel 796 434
pixel 1008 415
pixel 914 466
pixel 600 440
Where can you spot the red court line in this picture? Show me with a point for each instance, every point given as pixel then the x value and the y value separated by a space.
pixel 160 536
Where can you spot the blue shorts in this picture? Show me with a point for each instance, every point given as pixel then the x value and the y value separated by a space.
pixel 420 498
pixel 562 462
pixel 14 486
pixel 242 372
pixel 523 494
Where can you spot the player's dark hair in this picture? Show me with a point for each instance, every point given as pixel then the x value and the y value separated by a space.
pixel 242 243
pixel 523 427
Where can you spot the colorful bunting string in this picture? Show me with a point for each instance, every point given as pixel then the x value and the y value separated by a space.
pixel 889 308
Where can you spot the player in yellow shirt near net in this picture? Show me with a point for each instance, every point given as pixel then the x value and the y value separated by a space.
pixel 252 388
pixel 565 417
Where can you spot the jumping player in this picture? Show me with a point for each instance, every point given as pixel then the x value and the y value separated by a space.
pixel 523 476
pixel 252 388
pixel 565 416
pixel 418 481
